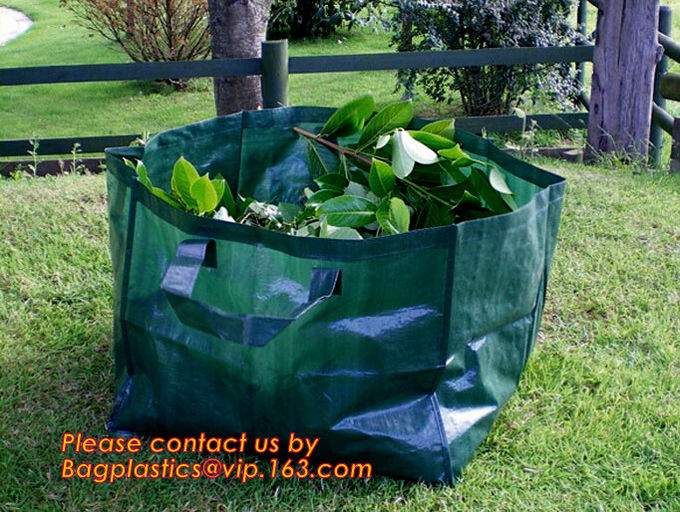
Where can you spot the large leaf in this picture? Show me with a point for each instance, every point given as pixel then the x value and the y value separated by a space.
pixel 143 175
pixel 418 151
pixel 510 201
pixel 343 233
pixel 456 154
pixel 323 195
pixel 332 181
pixel 451 193
pixel 487 193
pixel 438 215
pixel 451 174
pixel 317 166
pixel 357 189
pixel 402 163
pixel 288 211
pixel 393 215
pixel 204 193
pixel 443 128
pixel 381 178
pixel 497 180
pixel 467 202
pixel 348 211
pixel 433 141
pixel 397 115
pixel 227 200
pixel 349 118
pixel 183 177
pixel 326 231
pixel 159 192
pixel 220 185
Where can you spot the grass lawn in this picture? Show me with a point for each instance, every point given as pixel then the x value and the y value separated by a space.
pixel 109 108
pixel 595 424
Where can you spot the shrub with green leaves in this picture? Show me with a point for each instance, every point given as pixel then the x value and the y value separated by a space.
pixel 297 19
pixel 391 180
pixel 475 24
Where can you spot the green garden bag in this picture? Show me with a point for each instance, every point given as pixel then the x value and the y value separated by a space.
pixel 397 351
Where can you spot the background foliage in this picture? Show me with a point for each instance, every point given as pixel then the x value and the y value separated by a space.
pixel 298 19
pixel 474 24
pixel 149 30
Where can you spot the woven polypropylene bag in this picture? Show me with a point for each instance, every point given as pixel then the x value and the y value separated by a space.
pixel 398 350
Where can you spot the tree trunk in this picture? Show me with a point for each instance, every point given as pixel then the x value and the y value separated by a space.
pixel 624 61
pixel 130 16
pixel 238 28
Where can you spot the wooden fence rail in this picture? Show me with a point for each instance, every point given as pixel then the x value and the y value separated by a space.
pixel 274 79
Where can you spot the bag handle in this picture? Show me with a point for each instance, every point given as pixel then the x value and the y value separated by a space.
pixel 179 281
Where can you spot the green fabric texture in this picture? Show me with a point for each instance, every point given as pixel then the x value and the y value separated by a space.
pixel 398 350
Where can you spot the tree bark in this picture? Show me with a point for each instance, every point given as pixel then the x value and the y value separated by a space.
pixel 130 16
pixel 238 28
pixel 624 61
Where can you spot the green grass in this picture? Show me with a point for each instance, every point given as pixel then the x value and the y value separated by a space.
pixel 109 108
pixel 595 424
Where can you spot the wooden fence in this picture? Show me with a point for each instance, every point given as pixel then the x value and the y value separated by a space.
pixel 275 81
pixel 275 65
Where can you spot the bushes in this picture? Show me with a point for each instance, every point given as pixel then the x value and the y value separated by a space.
pixel 296 19
pixel 149 30
pixel 473 24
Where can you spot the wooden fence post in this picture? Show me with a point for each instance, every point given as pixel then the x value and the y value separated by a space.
pixel 624 61
pixel 274 80
pixel 656 133
pixel 581 26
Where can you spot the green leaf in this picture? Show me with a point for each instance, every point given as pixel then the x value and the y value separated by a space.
pixel 454 153
pixel 343 233
pixel 451 193
pixel 438 215
pixel 431 140
pixel 381 178
pixel 393 215
pixel 143 175
pixel 332 181
pixel 469 201
pixel 183 177
pixel 204 193
pixel 418 151
pixel 497 180
pixel 427 175
pixel 510 201
pixel 323 195
pixel 326 231
pixel 288 211
pixel 443 128
pixel 396 115
pixel 317 166
pixel 349 118
pixel 228 201
pixel 348 211
pixel 220 185
pixel 487 193
pixel 402 163
pixel 159 192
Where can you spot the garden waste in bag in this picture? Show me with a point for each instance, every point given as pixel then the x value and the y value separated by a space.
pixel 396 351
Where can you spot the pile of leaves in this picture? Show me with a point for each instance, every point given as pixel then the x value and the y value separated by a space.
pixel 387 180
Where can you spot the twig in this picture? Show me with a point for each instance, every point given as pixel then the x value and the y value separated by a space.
pixel 331 145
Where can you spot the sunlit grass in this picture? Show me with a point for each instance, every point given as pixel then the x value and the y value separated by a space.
pixel 595 424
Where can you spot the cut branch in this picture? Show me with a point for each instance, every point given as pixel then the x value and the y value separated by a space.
pixel 331 145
